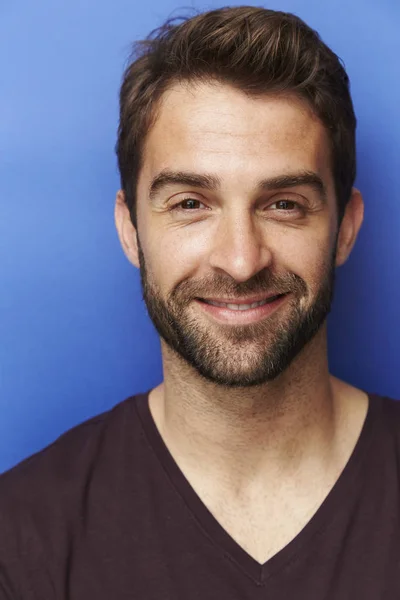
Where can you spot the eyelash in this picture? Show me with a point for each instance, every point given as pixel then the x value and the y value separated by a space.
pixel 178 207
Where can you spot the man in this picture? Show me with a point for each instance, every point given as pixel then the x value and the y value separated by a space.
pixel 250 472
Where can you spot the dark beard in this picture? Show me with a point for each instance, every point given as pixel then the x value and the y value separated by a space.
pixel 275 342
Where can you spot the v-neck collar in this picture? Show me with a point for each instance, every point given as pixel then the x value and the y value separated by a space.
pixel 346 484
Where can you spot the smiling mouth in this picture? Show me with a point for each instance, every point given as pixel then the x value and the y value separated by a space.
pixel 242 307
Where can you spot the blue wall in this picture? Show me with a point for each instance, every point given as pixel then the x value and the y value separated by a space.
pixel 75 337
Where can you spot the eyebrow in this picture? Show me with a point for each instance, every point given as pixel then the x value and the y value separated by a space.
pixel 212 182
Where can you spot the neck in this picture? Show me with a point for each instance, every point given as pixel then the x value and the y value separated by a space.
pixel 245 432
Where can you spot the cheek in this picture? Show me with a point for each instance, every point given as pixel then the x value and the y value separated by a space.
pixel 175 255
pixel 304 253
pixel 178 253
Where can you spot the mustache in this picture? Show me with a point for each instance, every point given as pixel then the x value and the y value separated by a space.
pixel 222 287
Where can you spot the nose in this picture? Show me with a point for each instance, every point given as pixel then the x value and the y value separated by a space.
pixel 240 246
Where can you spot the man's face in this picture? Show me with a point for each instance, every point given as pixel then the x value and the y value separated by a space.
pixel 227 236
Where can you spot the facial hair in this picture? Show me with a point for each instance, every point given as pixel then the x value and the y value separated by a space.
pixel 239 355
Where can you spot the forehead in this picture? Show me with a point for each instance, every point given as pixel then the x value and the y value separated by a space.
pixel 217 128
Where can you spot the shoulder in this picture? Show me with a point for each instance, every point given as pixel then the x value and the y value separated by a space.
pixel 384 421
pixel 43 498
pixel 52 476
pixel 387 407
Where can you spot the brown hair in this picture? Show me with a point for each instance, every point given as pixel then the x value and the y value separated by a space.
pixel 256 50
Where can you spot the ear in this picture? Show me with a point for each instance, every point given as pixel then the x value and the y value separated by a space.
pixel 349 227
pixel 126 230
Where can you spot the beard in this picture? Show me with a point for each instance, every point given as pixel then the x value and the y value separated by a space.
pixel 238 355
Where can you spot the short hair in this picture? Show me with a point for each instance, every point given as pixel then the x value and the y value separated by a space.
pixel 256 50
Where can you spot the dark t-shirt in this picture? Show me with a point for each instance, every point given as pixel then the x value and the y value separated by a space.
pixel 105 513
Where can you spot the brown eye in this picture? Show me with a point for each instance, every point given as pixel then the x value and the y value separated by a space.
pixel 286 204
pixel 187 205
pixel 190 203
pixel 286 209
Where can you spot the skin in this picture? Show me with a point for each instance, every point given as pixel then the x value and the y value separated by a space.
pixel 261 446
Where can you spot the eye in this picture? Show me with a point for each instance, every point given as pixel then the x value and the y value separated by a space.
pixel 191 204
pixel 286 209
pixel 286 205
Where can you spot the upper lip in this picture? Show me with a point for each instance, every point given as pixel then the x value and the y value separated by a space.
pixel 249 300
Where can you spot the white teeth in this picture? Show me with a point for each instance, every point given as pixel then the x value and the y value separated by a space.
pixel 238 306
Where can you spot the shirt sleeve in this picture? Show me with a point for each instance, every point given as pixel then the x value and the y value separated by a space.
pixel 6 587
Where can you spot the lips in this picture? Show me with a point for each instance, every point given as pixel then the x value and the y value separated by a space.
pixel 242 305
pixel 243 313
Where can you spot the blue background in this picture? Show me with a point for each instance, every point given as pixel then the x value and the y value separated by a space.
pixel 75 335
